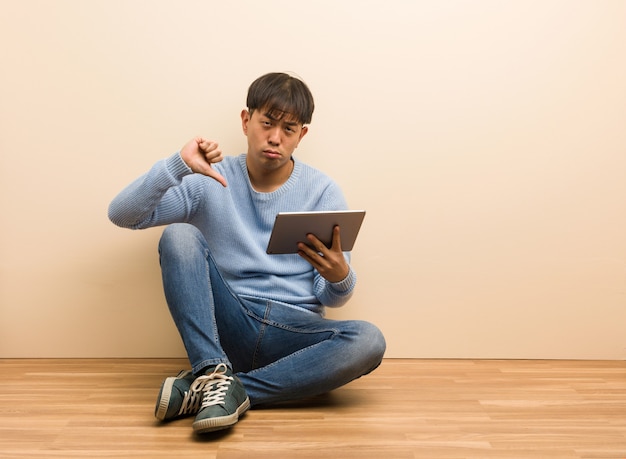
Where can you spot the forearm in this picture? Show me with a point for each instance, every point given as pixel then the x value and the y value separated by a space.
pixel 141 204
pixel 335 294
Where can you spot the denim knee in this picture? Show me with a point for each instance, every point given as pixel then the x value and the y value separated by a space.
pixel 374 343
pixel 182 240
pixel 367 347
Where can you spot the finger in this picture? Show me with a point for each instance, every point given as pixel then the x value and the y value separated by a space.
pixel 203 144
pixel 336 245
pixel 310 251
pixel 211 151
pixel 312 257
pixel 208 147
pixel 318 246
pixel 214 156
pixel 305 250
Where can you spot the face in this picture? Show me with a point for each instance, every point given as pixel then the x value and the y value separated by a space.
pixel 271 141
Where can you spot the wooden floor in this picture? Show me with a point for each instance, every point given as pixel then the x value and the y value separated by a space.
pixel 405 409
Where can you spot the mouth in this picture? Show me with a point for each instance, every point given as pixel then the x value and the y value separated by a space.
pixel 272 154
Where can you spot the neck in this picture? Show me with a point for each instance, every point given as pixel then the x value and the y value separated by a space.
pixel 266 181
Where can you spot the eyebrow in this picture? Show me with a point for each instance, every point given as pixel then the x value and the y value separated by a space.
pixel 271 115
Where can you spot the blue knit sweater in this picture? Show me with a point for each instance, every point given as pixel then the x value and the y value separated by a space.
pixel 236 222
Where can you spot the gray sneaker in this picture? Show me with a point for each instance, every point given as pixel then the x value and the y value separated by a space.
pixel 224 400
pixel 176 399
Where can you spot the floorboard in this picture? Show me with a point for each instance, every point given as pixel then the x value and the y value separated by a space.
pixel 82 408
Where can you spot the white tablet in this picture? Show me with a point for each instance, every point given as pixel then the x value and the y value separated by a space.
pixel 292 227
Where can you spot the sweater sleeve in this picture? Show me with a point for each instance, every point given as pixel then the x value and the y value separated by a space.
pixel 334 294
pixel 154 198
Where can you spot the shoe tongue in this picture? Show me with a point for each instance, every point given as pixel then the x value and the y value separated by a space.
pixel 220 369
pixel 201 381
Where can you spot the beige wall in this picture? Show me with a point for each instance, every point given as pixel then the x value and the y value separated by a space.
pixel 486 139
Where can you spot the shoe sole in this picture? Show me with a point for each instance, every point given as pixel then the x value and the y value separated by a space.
pixel 222 422
pixel 164 398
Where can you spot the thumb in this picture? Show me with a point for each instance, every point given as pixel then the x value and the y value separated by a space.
pixel 210 172
pixel 200 166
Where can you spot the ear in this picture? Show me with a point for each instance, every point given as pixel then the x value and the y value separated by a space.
pixel 245 119
pixel 303 132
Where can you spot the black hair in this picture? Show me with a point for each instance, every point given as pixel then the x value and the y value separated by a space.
pixel 281 94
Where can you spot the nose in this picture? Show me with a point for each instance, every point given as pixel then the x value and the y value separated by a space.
pixel 274 136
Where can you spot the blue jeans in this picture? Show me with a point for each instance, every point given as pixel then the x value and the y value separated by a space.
pixel 279 352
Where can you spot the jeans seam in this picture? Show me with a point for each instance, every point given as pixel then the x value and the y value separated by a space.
pixel 264 325
pixel 265 321
pixel 294 354
pixel 207 267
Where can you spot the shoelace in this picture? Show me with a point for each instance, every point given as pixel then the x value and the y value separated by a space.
pixel 191 403
pixel 211 389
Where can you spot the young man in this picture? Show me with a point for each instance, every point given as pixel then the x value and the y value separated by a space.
pixel 252 323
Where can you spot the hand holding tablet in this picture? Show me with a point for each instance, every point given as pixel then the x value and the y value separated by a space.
pixel 293 227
